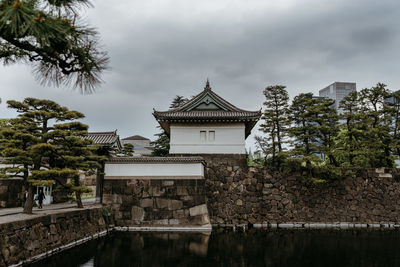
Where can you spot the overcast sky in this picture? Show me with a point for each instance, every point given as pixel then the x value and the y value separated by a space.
pixel 160 49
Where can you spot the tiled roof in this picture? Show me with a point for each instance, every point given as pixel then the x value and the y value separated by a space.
pixel 124 160
pixel 226 110
pixel 207 107
pixel 136 137
pixel 208 114
pixel 105 138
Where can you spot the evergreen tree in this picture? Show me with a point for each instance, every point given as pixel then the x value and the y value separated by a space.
pixel 375 125
pixel 49 36
pixel 161 144
pixel 74 152
pixel 349 139
pixel 41 150
pixel 127 150
pixel 303 130
pixel 324 116
pixel 393 107
pixel 314 126
pixel 276 121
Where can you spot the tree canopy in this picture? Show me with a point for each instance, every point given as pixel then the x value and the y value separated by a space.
pixel 45 145
pixel 275 122
pixel 50 36
pixel 365 134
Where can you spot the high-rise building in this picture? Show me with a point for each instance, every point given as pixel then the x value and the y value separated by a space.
pixel 337 91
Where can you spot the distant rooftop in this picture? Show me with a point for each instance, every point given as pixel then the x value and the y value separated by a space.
pixel 136 137
pixel 105 138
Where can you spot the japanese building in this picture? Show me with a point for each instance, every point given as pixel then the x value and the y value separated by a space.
pixel 207 124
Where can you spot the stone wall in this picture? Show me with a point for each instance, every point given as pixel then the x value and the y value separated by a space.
pixel 11 193
pixel 164 202
pixel 239 195
pixel 22 240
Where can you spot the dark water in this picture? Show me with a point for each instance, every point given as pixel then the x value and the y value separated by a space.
pixel 298 248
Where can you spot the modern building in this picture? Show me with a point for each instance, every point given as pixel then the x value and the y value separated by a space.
pixel 141 145
pixel 337 91
pixel 207 124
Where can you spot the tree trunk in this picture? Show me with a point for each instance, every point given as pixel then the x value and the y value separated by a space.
pixel 78 199
pixel 78 193
pixel 29 200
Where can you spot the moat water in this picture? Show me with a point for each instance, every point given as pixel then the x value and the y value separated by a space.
pixel 256 247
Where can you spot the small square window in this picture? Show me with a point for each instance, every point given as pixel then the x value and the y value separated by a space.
pixel 203 136
pixel 211 136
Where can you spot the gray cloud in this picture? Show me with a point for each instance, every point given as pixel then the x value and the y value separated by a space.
pixel 160 49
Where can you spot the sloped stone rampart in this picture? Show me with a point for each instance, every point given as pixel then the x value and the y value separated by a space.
pixel 161 202
pixel 237 195
pixel 26 239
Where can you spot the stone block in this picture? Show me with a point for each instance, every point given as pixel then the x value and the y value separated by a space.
pixel 168 183
pixel 181 191
pixel 161 222
pixel 146 202
pixel 174 204
pixel 156 191
pixel 3 189
pixel 198 210
pixel 53 229
pixel 162 203
pixel 174 221
pixel 239 202
pixel 137 213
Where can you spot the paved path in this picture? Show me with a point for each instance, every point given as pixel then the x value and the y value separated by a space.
pixel 15 214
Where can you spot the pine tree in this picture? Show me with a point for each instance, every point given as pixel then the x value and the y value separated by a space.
pixel 375 123
pixel 349 140
pixel 314 126
pixel 127 150
pixel 50 36
pixel 323 114
pixel 303 131
pixel 275 123
pixel 41 150
pixel 161 144
pixel 75 153
pixel 393 107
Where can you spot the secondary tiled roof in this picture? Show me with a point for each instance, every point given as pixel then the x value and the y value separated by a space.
pixel 105 138
pixel 136 137
pixel 124 160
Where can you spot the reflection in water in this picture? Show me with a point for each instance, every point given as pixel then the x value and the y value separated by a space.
pixel 311 248
pixel 90 263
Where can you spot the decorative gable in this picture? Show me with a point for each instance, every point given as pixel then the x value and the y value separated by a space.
pixel 207 102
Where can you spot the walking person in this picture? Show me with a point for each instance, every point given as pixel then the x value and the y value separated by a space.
pixel 40 198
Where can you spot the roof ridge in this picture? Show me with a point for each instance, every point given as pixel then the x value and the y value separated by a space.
pixel 111 132
pixel 136 135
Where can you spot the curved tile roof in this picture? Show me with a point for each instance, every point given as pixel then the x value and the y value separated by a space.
pixel 225 110
pixel 105 138
pixel 122 160
pixel 207 114
pixel 207 106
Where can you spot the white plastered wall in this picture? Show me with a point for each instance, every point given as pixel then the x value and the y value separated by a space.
pixel 154 170
pixel 189 139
